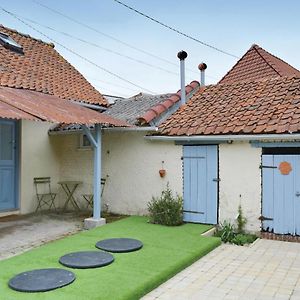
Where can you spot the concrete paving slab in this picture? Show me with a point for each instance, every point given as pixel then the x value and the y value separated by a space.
pixel 22 233
pixel 267 269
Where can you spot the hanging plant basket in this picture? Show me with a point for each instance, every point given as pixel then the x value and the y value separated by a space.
pixel 162 173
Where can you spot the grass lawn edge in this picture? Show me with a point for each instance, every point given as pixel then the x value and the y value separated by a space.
pixel 177 269
pixel 186 238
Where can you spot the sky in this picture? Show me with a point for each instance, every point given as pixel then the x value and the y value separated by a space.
pixel 231 25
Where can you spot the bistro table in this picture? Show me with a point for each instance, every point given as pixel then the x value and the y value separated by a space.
pixel 70 187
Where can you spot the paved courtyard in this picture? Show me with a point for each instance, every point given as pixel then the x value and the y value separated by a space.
pixel 265 270
pixel 22 233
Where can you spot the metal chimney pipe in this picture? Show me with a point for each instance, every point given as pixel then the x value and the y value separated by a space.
pixel 182 55
pixel 202 67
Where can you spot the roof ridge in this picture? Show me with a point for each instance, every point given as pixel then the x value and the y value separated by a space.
pixel 264 59
pixel 156 110
pixel 26 35
pixel 276 57
pixel 257 62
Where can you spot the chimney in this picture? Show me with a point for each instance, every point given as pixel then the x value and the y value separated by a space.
pixel 202 67
pixel 182 55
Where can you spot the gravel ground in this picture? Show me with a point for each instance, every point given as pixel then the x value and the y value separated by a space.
pixel 22 233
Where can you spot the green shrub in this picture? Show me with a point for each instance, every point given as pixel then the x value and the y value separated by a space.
pixel 242 239
pixel 166 209
pixel 226 232
pixel 235 234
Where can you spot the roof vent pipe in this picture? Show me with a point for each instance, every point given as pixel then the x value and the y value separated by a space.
pixel 202 67
pixel 182 55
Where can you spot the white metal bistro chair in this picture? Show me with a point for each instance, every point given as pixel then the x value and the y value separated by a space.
pixel 89 198
pixel 44 195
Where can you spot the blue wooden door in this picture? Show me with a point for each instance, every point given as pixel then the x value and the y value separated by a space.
pixel 7 165
pixel 281 194
pixel 200 184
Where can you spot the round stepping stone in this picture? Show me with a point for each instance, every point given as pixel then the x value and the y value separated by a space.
pixel 41 280
pixel 86 259
pixel 119 245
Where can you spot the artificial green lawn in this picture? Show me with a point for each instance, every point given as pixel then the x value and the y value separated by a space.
pixel 166 251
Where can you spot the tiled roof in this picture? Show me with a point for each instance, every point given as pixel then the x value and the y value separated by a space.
pixel 41 68
pixel 270 105
pixel 130 109
pixel 142 108
pixel 158 109
pixel 35 106
pixel 257 63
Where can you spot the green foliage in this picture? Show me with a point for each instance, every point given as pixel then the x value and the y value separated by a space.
pixel 235 234
pixel 166 209
pixel 242 239
pixel 226 232
pixel 241 221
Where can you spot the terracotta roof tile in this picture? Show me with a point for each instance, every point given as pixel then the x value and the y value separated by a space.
pixel 257 63
pixel 155 111
pixel 41 68
pixel 270 105
pixel 129 109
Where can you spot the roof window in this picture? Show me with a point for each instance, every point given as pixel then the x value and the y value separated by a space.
pixel 9 43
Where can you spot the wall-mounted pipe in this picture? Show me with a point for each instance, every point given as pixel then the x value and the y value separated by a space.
pixel 202 67
pixel 182 55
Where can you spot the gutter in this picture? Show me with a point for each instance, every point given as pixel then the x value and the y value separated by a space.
pixel 225 138
pixel 146 128
pixel 122 129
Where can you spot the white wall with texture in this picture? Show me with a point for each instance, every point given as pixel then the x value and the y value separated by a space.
pixel 240 183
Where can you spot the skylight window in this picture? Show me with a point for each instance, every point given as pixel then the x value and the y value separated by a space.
pixel 9 43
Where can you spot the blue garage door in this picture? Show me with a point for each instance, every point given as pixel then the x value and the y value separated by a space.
pixel 200 184
pixel 281 194
pixel 7 166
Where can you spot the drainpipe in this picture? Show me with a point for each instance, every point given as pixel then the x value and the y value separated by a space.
pixel 202 67
pixel 182 55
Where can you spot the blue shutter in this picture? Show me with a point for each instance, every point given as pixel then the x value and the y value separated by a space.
pixel 200 174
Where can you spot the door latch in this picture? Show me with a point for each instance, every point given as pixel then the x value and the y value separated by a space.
pixel 194 212
pixel 216 179
pixel 297 194
pixel 263 218
pixel 267 167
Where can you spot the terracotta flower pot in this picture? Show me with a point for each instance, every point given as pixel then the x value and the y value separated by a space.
pixel 162 173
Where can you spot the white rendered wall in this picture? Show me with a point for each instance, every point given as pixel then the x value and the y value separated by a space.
pixel 75 165
pixel 129 163
pixel 132 164
pixel 38 158
pixel 240 183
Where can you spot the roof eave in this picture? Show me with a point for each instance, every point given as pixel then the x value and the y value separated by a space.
pixel 226 137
